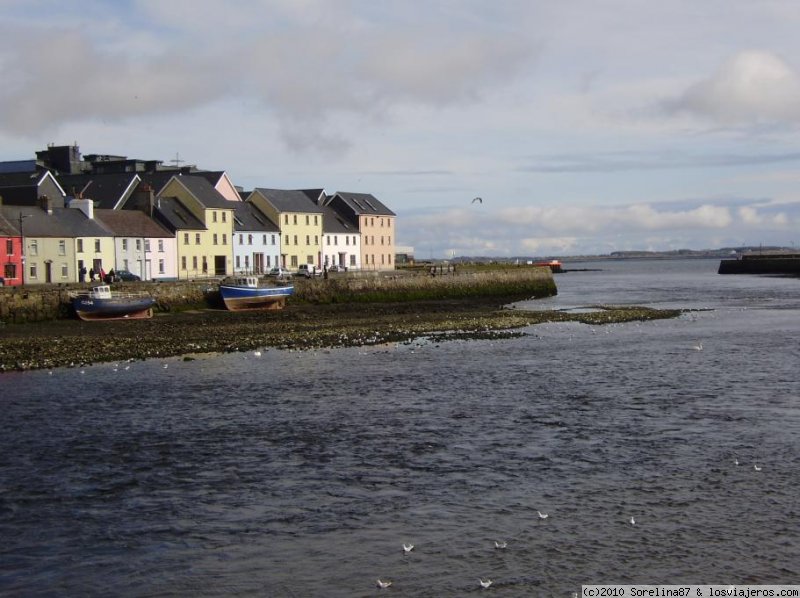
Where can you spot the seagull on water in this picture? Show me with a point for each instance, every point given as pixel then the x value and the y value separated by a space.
pixel 257 353
pixel 543 515
pixel 407 547
pixel 166 365
pixel 485 583
pixel 698 346
pixel 384 584
pixel 757 467
pixel 633 521
pixel 735 461
pixel 501 544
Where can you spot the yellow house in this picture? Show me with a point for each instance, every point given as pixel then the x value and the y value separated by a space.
pixel 300 221
pixel 202 220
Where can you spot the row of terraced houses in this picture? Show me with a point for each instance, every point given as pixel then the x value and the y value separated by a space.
pixel 62 213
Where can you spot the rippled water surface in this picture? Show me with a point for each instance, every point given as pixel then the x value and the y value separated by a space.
pixel 302 474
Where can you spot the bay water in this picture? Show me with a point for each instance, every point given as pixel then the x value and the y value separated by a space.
pixel 304 473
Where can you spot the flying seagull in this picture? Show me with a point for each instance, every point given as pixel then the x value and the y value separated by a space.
pixel 478 200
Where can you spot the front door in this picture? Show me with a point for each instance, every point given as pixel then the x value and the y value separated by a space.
pixel 219 265
pixel 48 271
pixel 258 263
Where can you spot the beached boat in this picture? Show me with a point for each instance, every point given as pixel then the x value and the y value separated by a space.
pixel 101 303
pixel 246 292
pixel 554 265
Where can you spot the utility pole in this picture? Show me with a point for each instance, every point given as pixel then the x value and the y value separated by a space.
pixel 22 244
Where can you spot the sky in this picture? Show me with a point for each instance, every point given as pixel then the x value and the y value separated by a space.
pixel 585 126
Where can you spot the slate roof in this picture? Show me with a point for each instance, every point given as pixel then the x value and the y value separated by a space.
pixel 249 218
pixel 63 222
pixel 171 213
pixel 106 190
pixel 205 192
pixel 7 229
pixel 290 201
pixel 335 223
pixel 131 223
pixel 364 204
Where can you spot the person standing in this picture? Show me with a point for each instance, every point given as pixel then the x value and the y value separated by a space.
pixel 82 274
pixel 91 274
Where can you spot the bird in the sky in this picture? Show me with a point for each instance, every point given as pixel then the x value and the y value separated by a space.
pixel 477 200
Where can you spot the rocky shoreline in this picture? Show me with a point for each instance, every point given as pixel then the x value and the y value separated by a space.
pixel 71 343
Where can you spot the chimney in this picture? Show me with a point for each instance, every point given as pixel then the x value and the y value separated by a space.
pixel 84 205
pixel 46 204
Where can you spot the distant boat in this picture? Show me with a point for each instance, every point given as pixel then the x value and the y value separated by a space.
pixel 245 292
pixel 101 303
pixel 554 265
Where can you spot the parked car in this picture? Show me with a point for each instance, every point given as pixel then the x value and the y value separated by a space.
pixel 279 272
pixel 308 270
pixel 335 268
pixel 123 276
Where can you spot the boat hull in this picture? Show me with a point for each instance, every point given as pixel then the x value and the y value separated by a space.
pixel 238 298
pixel 115 308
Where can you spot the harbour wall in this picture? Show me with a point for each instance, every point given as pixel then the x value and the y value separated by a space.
pixel 762 264
pixel 42 303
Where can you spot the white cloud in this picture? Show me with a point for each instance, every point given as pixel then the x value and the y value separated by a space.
pixel 753 86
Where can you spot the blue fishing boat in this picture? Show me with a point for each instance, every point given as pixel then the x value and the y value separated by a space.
pixel 101 303
pixel 246 292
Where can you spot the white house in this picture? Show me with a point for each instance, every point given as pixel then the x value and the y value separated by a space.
pixel 256 240
pixel 341 241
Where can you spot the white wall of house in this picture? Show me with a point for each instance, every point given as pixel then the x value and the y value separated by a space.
pixel 255 252
pixel 151 258
pixel 342 250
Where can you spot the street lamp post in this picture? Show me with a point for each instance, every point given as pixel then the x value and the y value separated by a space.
pixel 22 244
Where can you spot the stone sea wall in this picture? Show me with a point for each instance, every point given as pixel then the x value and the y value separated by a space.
pixel 42 303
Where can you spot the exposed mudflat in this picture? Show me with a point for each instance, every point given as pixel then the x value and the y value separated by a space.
pixel 67 343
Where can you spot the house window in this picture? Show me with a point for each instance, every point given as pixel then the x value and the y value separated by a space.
pixel 194 263
pixel 294 217
pixel 183 262
pixel 295 239
pixel 147 245
pixel 33 247
pixel 308 240
pixel 328 239
pixel 346 240
pixel 97 245
pixel 269 263
pixel 124 245
pixel 185 240
pixel 197 238
pixel 79 245
pixel 238 262
pixel 316 240
pixel 287 239
pixel 382 256
pixel 224 238
pixel 286 218
pixel 205 265
pixel 309 259
pixel 213 216
pixel 138 244
pixel 161 246
pixel 352 260
pixel 247 262
pixel 264 239
pixel 9 247
pixel 249 239
pixel 10 271
pixel 389 242
pixel 294 261
pixel 381 239
pixel 32 271
pixel 62 247
pixel 315 219
pixel 64 271
pixel 161 265
pixel 273 239
pixel 389 257
pixel 215 238
pixel 224 217
pixel 307 222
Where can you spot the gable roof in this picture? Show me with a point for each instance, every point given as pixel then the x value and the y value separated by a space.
pixel 7 229
pixel 363 204
pixel 335 223
pixel 249 218
pixel 22 188
pixel 63 222
pixel 131 223
pixel 289 201
pixel 171 213
pixel 205 193
pixel 108 191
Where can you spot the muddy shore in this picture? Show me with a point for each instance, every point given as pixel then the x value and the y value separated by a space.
pixel 70 343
